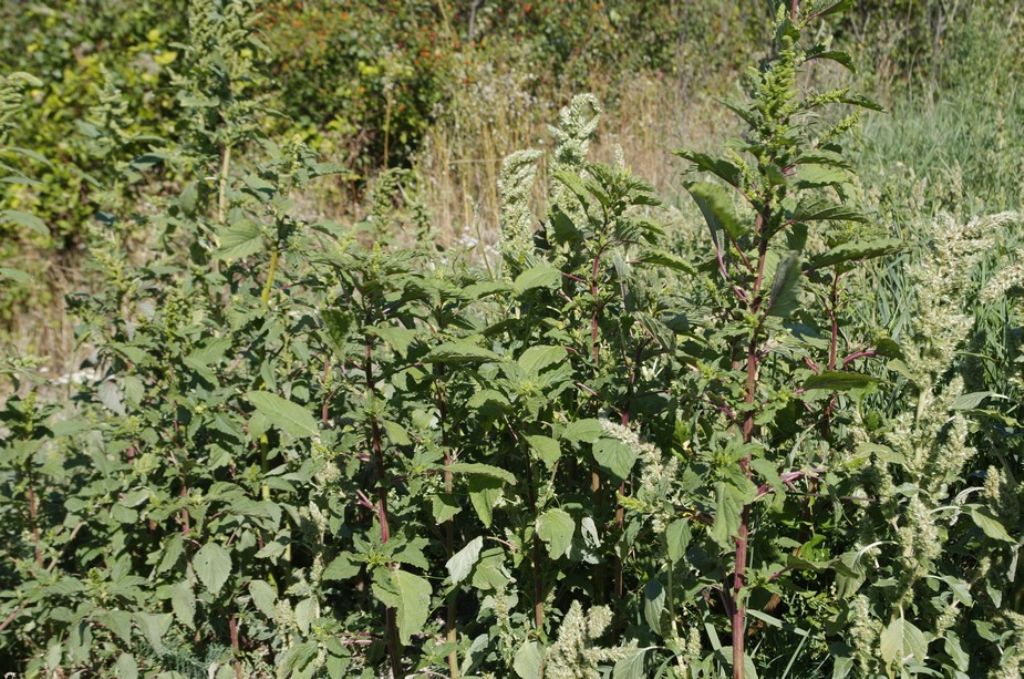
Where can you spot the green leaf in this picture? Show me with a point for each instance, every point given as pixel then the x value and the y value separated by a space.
pixel 714 202
pixel 654 604
pixel 543 276
pixel 583 431
pixel 126 667
pixel 989 525
pixel 614 456
pixel 555 528
pixel 264 596
pixel 535 359
pixel 154 626
pixel 856 251
pixel 460 352
pixel 814 175
pixel 119 622
pixel 719 167
pixel 183 603
pixel 819 210
pixel 444 506
pixel 836 380
pixel 239 240
pixel 409 595
pixel 729 502
pixel 783 298
pixel 631 666
pixel 340 568
pixel 677 539
pixel 212 565
pixel 528 661
pixel 840 6
pixel 26 220
pixel 397 433
pixel 484 493
pixel 290 417
pixel 460 565
pixel 477 469
pixel 306 612
pixel 398 338
pixel 970 401
pixel 841 58
pixel 901 641
pixel 668 260
pixel 546 448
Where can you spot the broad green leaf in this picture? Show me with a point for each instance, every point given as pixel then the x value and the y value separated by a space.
pixel 290 417
pixel 819 210
pixel 154 626
pixel 444 506
pixel 716 205
pixel 460 565
pixel 677 539
pixel 397 433
pixel 837 56
pixel 719 167
pixel 398 338
pixel 989 525
pixel 555 528
pixel 856 251
pixel 631 666
pixel 814 175
pixel 307 611
pixel 729 502
pixel 836 380
pixel 614 456
pixel 654 604
pixel 484 493
pixel 535 359
pixel 183 603
pixel 263 597
pixel 239 240
pixel 583 431
pixel 126 667
pixel 970 401
pixel 783 299
pixel 212 565
pixel 26 220
pixel 119 622
pixel 409 595
pixel 543 276
pixel 902 642
pixel 546 448
pixel 490 573
pixel 340 568
pixel 529 660
pixel 477 469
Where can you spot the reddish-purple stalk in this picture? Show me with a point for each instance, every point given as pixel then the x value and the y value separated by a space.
pixel 738 611
pixel 377 450
pixel 233 632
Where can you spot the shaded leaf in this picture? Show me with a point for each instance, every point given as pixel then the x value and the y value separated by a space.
pixel 409 595
pixel 287 416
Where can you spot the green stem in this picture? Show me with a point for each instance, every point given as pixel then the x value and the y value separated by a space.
pixel 271 272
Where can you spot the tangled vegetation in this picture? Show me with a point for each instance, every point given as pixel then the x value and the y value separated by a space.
pixel 765 426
